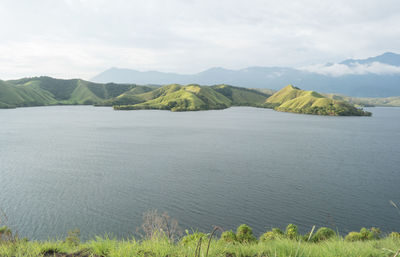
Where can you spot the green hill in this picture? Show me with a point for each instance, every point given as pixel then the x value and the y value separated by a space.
pixel 193 98
pixel 41 91
pixel 293 99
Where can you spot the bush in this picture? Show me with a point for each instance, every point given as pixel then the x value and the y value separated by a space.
pixel 375 233
pixel 364 234
pixel 394 235
pixel 5 234
pixel 244 234
pixel 228 237
pixel 275 233
pixel 291 231
pixel 353 236
pixel 159 225
pixel 194 237
pixel 323 234
pixel 73 237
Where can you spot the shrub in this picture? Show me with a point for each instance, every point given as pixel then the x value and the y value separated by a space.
pixel 291 231
pixel 73 237
pixel 275 233
pixel 323 234
pixel 244 234
pixel 5 233
pixel 194 237
pixel 228 237
pixel 394 235
pixel 375 233
pixel 159 225
pixel 353 236
pixel 364 234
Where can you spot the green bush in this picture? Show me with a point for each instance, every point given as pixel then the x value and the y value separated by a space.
pixel 244 234
pixel 5 234
pixel 375 233
pixel 353 236
pixel 194 237
pixel 364 234
pixel 291 232
pixel 323 234
pixel 275 233
pixel 73 237
pixel 394 235
pixel 228 237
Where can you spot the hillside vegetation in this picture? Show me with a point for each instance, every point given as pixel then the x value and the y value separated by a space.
pixel 44 91
pixel 393 101
pixel 192 98
pixel 293 99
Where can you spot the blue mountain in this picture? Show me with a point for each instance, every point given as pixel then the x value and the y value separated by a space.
pixel 360 85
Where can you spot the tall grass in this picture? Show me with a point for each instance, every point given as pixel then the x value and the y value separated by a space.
pixel 105 246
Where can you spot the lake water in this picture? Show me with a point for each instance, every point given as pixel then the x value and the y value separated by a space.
pixel 96 169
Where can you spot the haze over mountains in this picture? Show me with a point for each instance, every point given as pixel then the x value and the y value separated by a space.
pixel 377 76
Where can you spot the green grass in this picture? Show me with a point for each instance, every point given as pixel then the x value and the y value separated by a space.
pixel 293 99
pixel 42 91
pixel 193 98
pixel 104 246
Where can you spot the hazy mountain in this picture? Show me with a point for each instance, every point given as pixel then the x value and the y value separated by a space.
pixel 372 77
pixel 387 58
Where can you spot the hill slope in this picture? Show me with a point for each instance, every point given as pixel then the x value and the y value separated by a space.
pixel 41 91
pixel 293 99
pixel 192 98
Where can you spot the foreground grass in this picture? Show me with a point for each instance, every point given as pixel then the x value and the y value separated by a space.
pixel 103 246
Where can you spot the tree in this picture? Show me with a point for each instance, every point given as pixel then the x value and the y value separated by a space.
pixel 157 224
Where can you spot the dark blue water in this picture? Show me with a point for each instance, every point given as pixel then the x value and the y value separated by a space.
pixel 98 169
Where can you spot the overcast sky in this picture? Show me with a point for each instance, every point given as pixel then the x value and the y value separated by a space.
pixel 81 38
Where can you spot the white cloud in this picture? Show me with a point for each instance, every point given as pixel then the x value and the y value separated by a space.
pixel 81 38
pixel 337 69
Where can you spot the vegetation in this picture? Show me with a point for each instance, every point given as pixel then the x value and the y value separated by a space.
pixel 393 101
pixel 193 98
pixel 325 242
pixel 293 99
pixel 162 237
pixel 43 91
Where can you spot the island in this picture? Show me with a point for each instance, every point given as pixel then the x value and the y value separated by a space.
pixel 46 91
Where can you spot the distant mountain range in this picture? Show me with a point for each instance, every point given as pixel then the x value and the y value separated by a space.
pixel 377 76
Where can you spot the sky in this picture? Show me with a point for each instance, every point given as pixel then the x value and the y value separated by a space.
pixel 81 38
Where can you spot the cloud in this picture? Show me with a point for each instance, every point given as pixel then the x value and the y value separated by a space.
pixel 84 37
pixel 337 69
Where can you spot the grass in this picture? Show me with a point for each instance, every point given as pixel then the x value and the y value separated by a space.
pixel 293 99
pixel 104 246
pixel 43 91
pixel 192 98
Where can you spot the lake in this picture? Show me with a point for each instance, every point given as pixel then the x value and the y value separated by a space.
pixel 98 170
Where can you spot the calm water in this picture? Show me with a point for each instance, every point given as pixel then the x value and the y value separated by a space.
pixel 98 169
